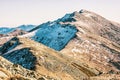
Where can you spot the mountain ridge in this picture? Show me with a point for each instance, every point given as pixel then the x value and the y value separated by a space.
pixel 79 46
pixel 6 30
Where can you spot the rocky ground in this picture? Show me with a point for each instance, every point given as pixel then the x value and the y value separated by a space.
pixel 79 46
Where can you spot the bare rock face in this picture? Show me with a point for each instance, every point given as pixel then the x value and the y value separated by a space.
pixel 10 71
pixel 45 61
pixel 97 42
pixel 88 48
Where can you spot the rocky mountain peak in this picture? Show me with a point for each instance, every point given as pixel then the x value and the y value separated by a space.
pixel 79 46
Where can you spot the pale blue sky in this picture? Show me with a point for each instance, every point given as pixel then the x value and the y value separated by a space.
pixel 17 12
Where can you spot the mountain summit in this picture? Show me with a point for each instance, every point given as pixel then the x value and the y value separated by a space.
pixel 58 33
pixel 79 46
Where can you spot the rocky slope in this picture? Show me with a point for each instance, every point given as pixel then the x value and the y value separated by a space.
pixel 83 36
pixel 6 37
pixel 96 43
pixel 58 33
pixel 8 33
pixel 45 61
pixel 87 48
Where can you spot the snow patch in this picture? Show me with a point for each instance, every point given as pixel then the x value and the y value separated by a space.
pixel 28 35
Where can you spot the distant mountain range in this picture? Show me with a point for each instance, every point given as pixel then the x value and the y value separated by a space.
pixel 6 30
pixel 79 46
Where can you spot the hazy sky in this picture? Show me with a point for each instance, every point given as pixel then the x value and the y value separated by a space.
pixel 17 12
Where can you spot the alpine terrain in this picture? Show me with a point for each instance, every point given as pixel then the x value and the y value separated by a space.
pixel 79 46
